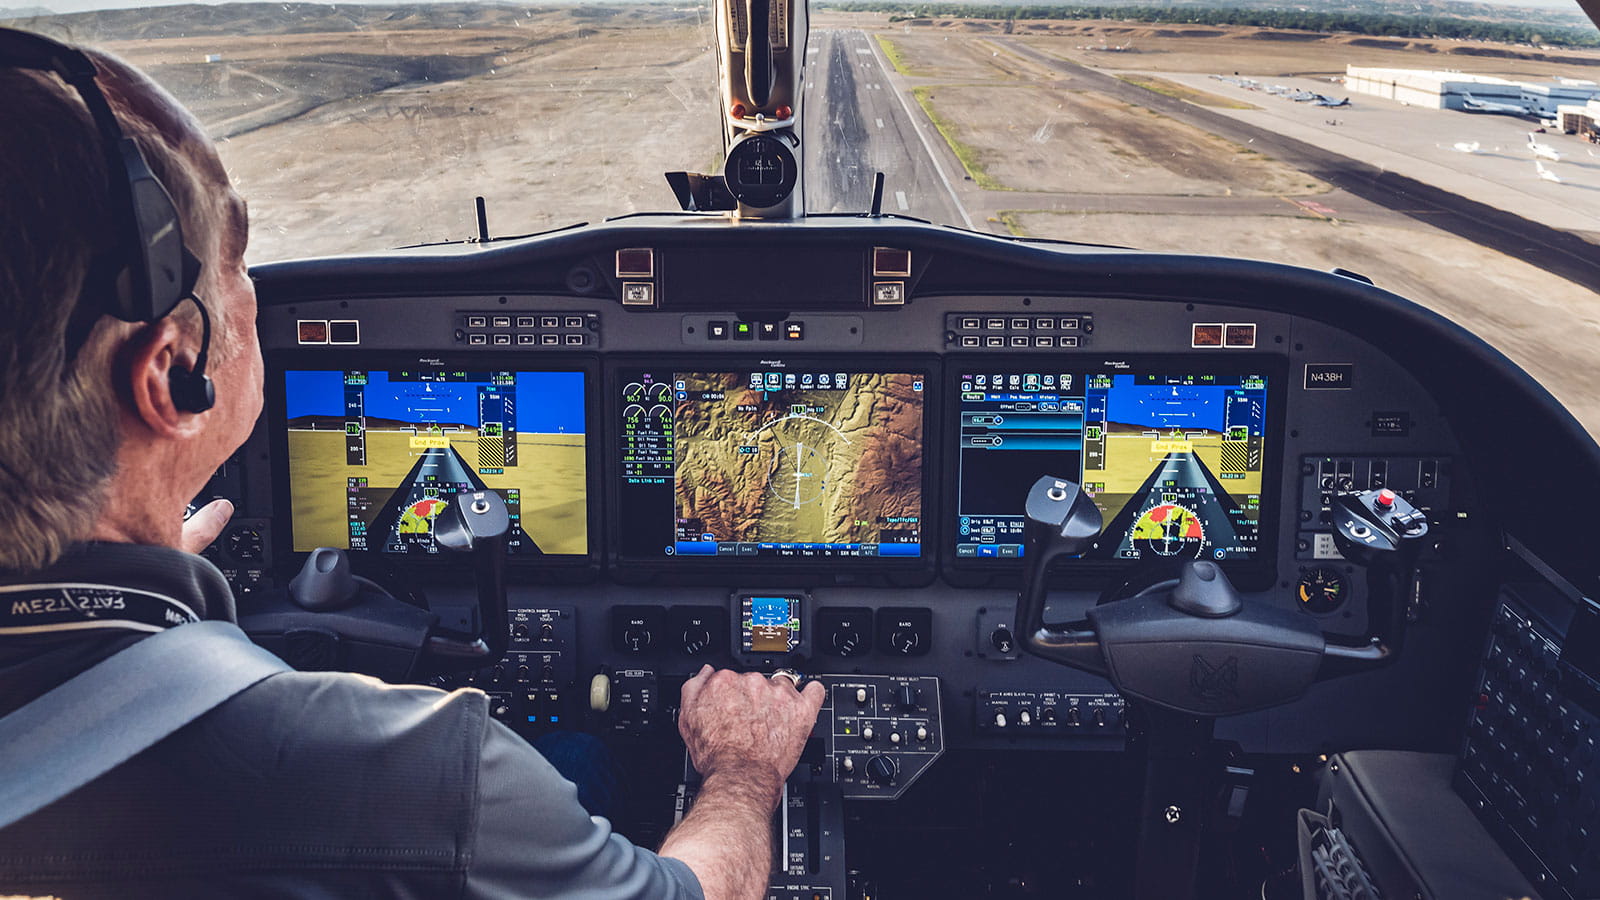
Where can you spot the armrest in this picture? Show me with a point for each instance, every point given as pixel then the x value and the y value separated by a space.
pixel 1415 835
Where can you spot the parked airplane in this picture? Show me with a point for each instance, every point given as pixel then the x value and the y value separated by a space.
pixel 1543 150
pixel 1473 104
pixel 1467 146
pixel 1546 174
pixel 1323 100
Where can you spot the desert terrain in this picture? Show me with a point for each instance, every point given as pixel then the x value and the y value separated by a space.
pixel 357 128
pixel 1046 154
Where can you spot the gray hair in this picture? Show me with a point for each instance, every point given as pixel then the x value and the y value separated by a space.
pixel 59 414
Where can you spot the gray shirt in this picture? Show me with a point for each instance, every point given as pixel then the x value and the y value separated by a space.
pixel 312 785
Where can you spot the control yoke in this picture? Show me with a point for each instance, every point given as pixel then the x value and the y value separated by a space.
pixel 333 619
pixel 1190 644
pixel 1383 532
pixel 1061 521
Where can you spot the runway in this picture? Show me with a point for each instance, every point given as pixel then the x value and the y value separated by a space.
pixel 857 124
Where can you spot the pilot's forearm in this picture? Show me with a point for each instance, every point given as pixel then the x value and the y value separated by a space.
pixel 726 838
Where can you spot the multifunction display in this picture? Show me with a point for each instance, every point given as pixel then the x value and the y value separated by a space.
pixel 776 460
pixel 1174 460
pixel 376 456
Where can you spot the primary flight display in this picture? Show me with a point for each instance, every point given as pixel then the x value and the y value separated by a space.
pixel 375 456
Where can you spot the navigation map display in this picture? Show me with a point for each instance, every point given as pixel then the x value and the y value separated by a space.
pixel 772 460
pixel 1174 460
pixel 376 456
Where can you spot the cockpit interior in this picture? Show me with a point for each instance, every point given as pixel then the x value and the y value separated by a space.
pixel 1129 574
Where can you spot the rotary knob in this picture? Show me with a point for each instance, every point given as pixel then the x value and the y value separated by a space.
pixel 868 735
pixel 881 770
pixel 694 640
pixel 846 643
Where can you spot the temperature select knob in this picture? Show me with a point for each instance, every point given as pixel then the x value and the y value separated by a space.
pixel 881 770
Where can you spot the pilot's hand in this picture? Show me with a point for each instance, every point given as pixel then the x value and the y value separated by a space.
pixel 200 529
pixel 731 722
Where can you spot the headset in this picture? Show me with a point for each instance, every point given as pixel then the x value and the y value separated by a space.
pixel 149 271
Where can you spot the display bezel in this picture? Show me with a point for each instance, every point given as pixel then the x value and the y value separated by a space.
pixel 778 572
pixel 566 567
pixel 1258 573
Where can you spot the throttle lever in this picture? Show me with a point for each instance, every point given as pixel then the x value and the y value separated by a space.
pixel 476 523
pixel 1061 521
pixel 1383 532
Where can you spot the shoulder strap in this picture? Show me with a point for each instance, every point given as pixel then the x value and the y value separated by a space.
pixel 124 705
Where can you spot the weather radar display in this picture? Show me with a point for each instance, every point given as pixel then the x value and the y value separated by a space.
pixel 376 456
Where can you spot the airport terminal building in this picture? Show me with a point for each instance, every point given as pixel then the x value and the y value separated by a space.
pixel 1473 93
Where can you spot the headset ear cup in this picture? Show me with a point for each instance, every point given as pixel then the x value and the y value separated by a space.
pixel 191 392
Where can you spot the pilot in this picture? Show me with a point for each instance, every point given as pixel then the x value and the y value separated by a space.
pixel 306 784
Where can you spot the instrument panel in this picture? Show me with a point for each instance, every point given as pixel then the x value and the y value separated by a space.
pixel 803 473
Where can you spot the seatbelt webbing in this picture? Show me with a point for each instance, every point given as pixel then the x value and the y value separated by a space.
pixel 124 705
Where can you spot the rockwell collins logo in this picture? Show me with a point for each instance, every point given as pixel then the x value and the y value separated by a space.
pixel 1213 682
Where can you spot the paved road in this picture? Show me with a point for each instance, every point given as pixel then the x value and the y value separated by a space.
pixel 857 125
pixel 1561 252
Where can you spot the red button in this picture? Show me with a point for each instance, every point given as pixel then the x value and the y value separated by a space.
pixel 1385 498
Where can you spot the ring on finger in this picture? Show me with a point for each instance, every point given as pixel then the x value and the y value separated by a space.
pixel 794 678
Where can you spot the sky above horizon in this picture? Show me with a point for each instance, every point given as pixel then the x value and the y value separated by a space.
pixel 69 6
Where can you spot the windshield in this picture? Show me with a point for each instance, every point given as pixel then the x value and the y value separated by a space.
pixel 1449 156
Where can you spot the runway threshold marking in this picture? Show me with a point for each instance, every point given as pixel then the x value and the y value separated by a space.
pixel 900 198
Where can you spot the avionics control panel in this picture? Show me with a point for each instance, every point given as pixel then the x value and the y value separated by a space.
pixel 782 476
pixel 880 732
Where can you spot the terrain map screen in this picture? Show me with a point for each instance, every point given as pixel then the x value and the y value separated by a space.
pixel 376 456
pixel 1174 460
pixel 791 462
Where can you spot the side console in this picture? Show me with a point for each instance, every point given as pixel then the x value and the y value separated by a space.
pixel 1529 765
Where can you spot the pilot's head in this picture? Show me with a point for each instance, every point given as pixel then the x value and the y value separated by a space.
pixel 92 444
